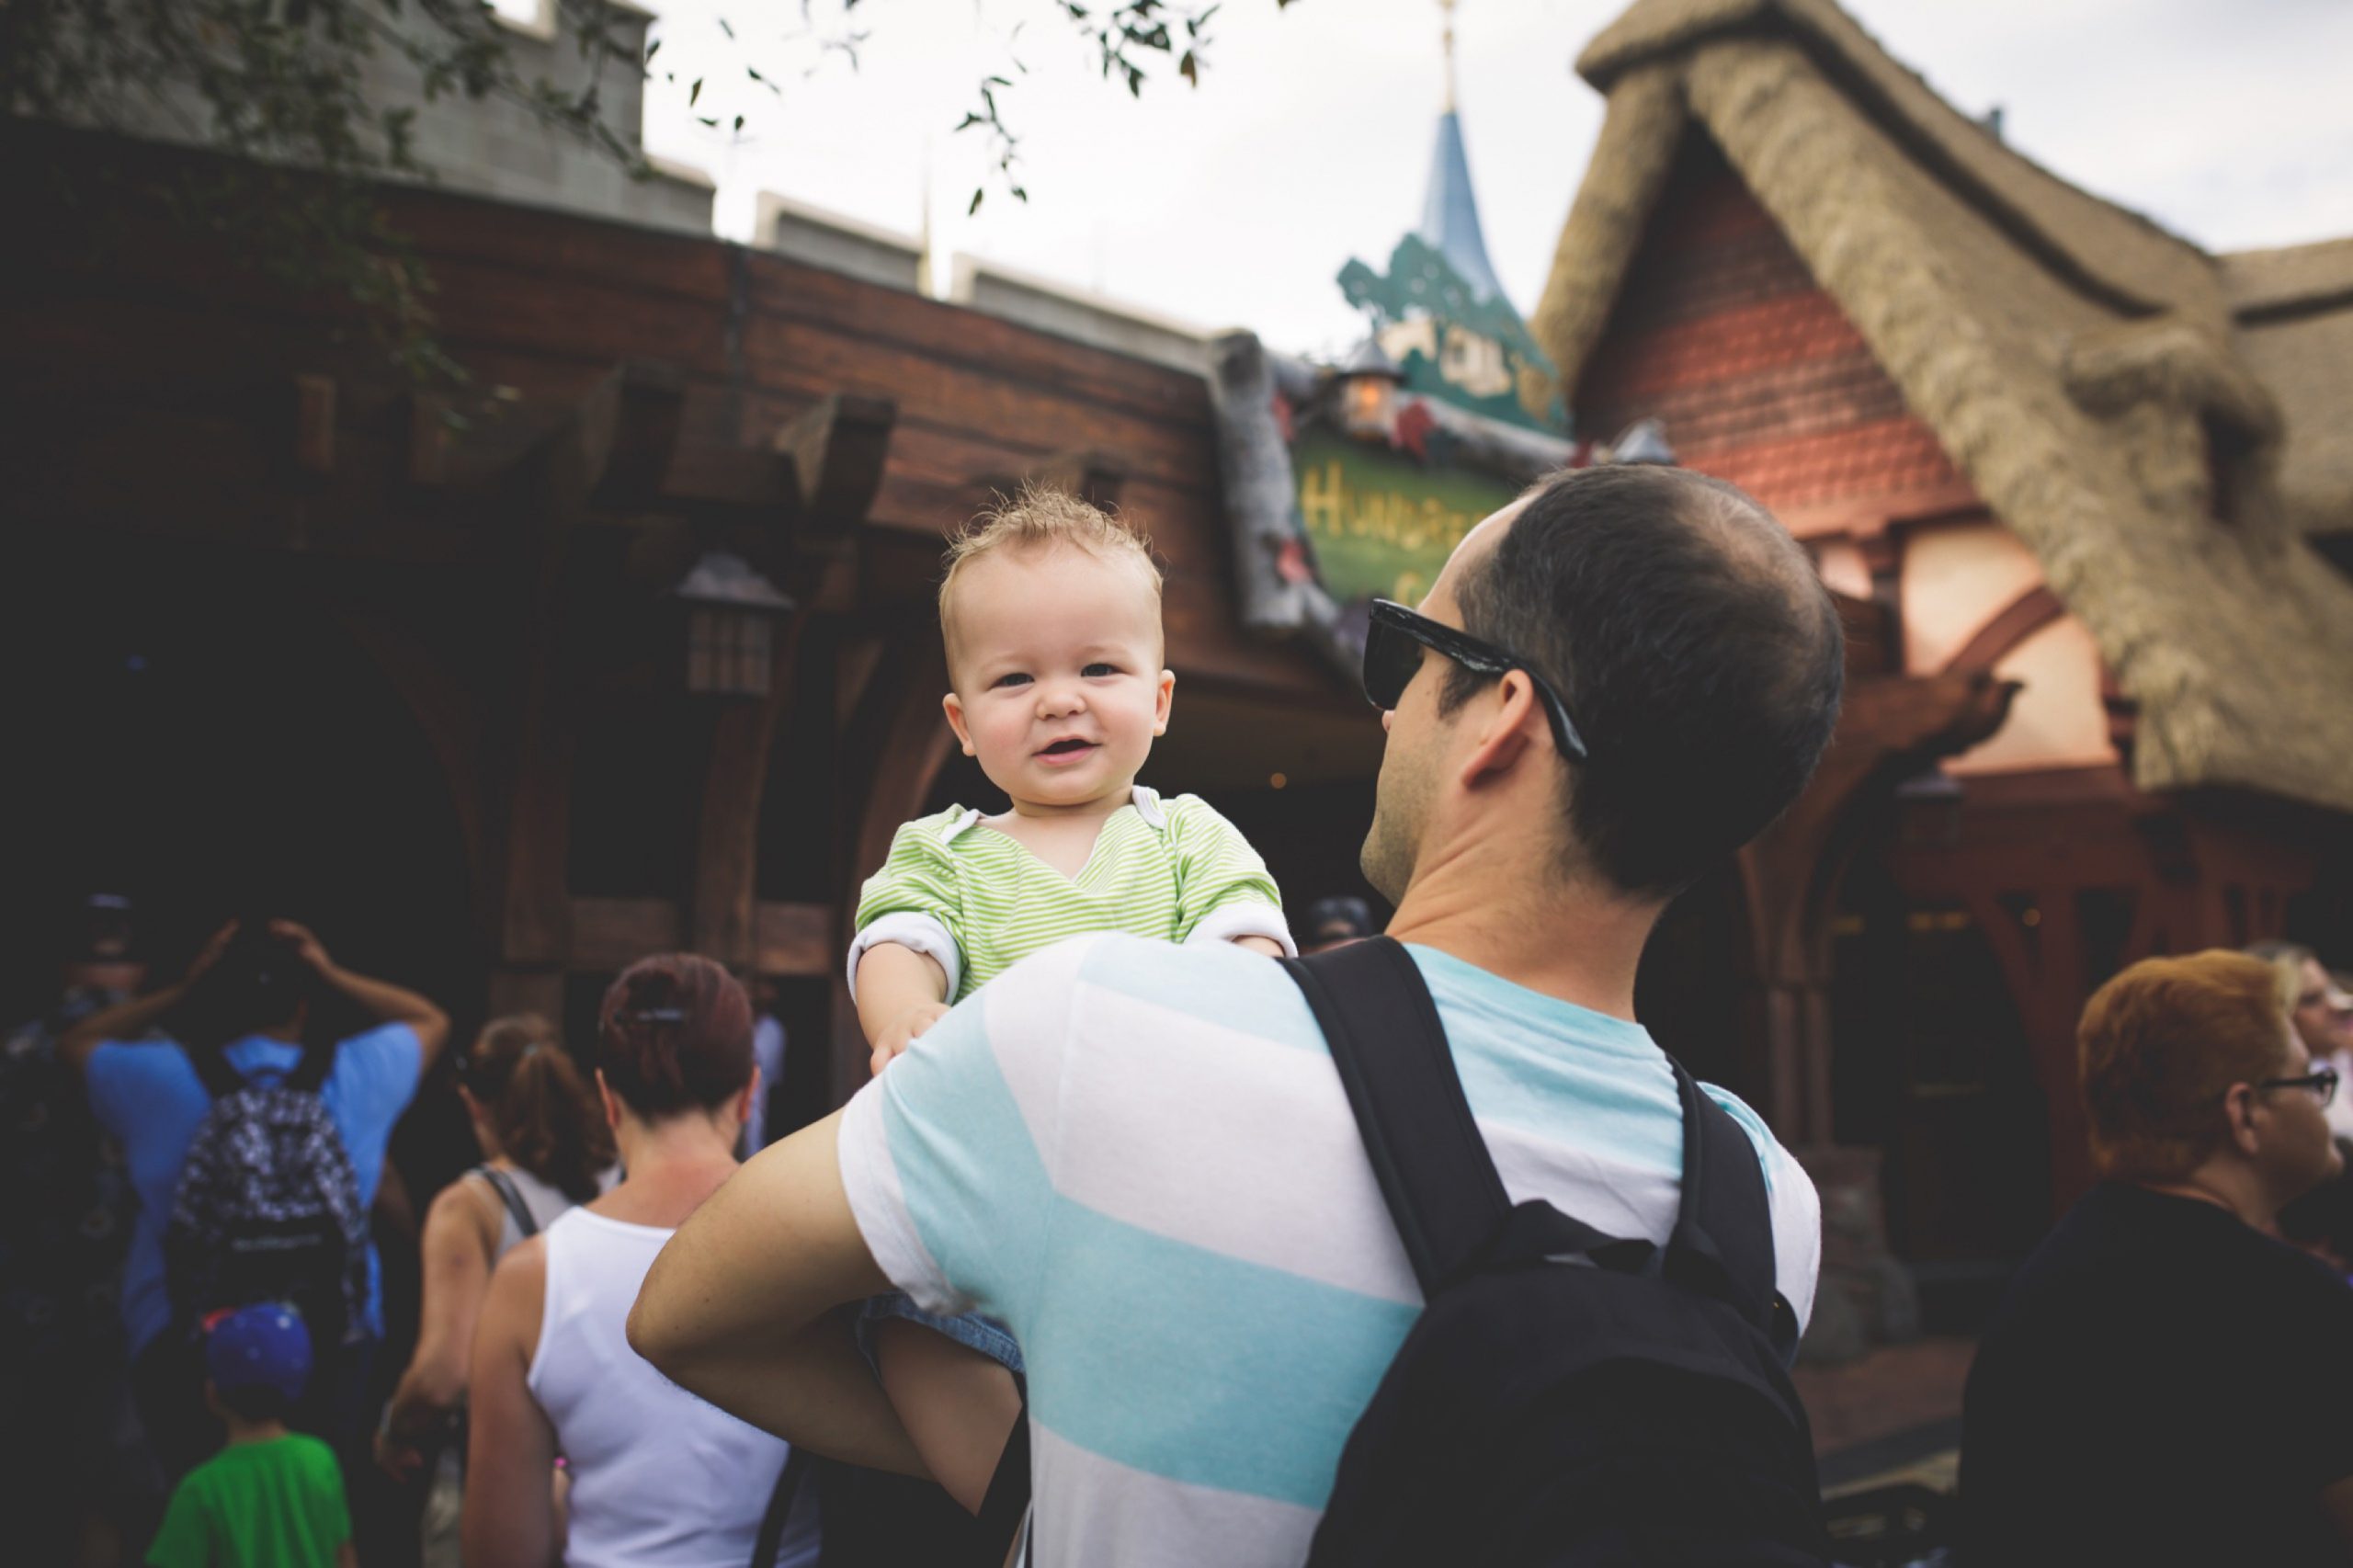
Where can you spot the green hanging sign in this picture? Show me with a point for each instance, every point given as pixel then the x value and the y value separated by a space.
pixel 1381 522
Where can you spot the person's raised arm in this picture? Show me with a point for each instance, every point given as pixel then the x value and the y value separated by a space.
pixel 739 1308
pixel 510 1451
pixel 393 1004
pixel 901 993
pixel 460 1231
pixel 130 1019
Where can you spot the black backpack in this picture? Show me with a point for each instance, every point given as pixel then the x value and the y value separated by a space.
pixel 268 1208
pixel 1565 1397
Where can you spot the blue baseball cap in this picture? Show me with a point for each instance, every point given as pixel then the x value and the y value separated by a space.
pixel 259 1347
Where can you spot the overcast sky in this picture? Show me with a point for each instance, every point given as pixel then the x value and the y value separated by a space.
pixel 1307 143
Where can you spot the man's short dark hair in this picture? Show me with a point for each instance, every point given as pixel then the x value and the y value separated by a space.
pixel 1696 650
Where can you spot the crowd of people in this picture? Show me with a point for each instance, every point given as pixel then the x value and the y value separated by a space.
pixel 1150 1241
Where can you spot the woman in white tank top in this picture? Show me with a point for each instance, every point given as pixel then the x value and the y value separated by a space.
pixel 657 1477
pixel 546 1147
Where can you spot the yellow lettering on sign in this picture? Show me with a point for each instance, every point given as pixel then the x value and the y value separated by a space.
pixel 1382 524
pixel 1320 504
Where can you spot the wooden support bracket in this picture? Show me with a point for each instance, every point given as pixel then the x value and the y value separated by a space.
pixel 611 443
pixel 1093 475
pixel 837 449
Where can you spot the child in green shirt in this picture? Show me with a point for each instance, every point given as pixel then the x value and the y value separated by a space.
pixel 272 1498
pixel 1050 613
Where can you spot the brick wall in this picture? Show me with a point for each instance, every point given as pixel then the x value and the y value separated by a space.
pixel 1721 332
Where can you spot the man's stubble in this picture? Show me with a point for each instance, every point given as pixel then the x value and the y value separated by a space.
pixel 1400 803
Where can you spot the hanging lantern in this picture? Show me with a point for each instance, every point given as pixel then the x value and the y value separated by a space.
pixel 1368 387
pixel 731 613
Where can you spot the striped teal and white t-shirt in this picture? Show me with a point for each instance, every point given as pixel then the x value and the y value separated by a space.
pixel 1141 1159
pixel 977 900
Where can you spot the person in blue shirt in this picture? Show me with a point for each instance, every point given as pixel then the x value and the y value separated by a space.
pixel 250 995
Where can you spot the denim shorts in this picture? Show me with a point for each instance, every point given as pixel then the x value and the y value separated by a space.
pixel 986 1335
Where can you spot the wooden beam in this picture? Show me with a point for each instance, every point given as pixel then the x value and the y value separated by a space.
pixel 2017 621
pixel 796 938
pixel 727 831
pixel 837 449
pixel 614 933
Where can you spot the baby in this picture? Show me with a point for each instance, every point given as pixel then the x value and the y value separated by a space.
pixel 1050 612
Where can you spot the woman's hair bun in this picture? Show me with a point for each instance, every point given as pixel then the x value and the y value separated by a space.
pixel 674 1033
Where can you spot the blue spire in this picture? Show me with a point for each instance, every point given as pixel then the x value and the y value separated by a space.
pixel 1450 213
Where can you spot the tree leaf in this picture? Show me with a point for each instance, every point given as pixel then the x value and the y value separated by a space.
pixel 1189 69
pixel 694 93
pixel 651 50
pixel 975 207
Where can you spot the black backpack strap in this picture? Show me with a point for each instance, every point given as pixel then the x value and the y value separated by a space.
pixel 1433 1166
pixel 1008 1494
pixel 311 1072
pixel 1722 1242
pixel 789 1482
pixel 520 1212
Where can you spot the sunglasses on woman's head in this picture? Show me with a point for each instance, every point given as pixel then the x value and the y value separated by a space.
pixel 1393 655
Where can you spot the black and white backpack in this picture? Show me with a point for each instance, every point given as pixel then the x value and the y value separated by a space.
pixel 268 1208
pixel 1566 1397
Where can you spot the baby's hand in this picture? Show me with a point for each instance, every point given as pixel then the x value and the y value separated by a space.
pixel 899 1035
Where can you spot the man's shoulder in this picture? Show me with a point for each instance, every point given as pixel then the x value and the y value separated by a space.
pixel 1116 981
pixel 374 1076
pixel 134 1078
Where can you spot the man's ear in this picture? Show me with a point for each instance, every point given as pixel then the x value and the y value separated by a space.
pixel 953 706
pixel 1511 728
pixel 1164 694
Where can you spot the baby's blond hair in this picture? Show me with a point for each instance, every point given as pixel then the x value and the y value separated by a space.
pixel 1040 517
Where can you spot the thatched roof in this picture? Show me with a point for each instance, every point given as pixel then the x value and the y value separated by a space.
pixel 2294 308
pixel 2074 360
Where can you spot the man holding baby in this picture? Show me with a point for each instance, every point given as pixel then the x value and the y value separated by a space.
pixel 1137 1155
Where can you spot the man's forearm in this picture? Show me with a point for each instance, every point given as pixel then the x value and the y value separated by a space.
pixel 382 998
pixel 744 1306
pixel 125 1020
pixel 813 1389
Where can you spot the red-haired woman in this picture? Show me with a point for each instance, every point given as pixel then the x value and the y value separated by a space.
pixel 547 1148
pixel 2166 1381
pixel 657 1476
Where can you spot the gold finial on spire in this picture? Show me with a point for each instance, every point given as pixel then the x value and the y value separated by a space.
pixel 1446 7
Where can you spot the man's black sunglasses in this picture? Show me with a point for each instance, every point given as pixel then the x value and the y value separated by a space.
pixel 1393 654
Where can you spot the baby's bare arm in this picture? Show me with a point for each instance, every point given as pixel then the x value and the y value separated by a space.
pixel 901 993
pixel 1266 944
